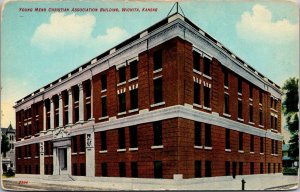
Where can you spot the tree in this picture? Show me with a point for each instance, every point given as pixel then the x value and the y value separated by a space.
pixel 4 145
pixel 290 111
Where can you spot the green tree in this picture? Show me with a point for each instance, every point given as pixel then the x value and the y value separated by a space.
pixel 4 145
pixel 290 111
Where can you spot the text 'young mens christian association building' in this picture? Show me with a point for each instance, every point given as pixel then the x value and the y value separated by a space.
pixel 168 102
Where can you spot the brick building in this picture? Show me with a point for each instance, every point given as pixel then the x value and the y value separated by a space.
pixel 168 102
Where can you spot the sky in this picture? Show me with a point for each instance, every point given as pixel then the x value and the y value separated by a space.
pixel 39 47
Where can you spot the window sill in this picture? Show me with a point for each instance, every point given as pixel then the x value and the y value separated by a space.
pixel 133 149
pixel 197 105
pixel 274 130
pixel 45 156
pixel 19 158
pixel 261 126
pixel 240 94
pixel 198 147
pixel 72 154
pixel 81 153
pixel 207 108
pixel 133 79
pixel 226 115
pixel 122 83
pixel 121 150
pixel 104 90
pixel 225 87
pixel 239 119
pixel 157 147
pixel 102 118
pixel 196 71
pixel 36 157
pixel 103 151
pixel 207 148
pixel 157 104
pixel 272 109
pixel 207 76
pixel 157 70
pixel 261 153
pixel 228 150
pixel 251 152
pixel 251 123
pixel 250 99
pixel 241 151
pixel 157 77
pixel 122 113
pixel 133 110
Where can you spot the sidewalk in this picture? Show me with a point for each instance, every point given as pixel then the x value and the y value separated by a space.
pixel 253 182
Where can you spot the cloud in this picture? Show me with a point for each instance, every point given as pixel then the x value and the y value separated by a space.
pixel 73 31
pixel 258 26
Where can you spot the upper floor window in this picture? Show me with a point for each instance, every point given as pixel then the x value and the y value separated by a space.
pixel 158 92
pixel 227 138
pixel 122 102
pixel 133 69
pixel 240 89
pixel 225 73
pixel 196 60
pixel 260 117
pixel 207 65
pixel 197 93
pixel 240 109
pixel 250 91
pixel 103 82
pixel 104 108
pixel 122 74
pixel 206 96
pixel 157 129
pixel 240 141
pixel 157 60
pixel 226 103
pixel 251 113
pixel 261 145
pixel 87 87
pixel 76 93
pixel 133 136
pixel 252 143
pixel 121 133
pixel 134 99
pixel 272 102
pixel 197 134
pixel 207 135
pixel 260 97
pixel 103 140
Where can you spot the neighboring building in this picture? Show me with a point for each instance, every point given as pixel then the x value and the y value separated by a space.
pixel 8 159
pixel 287 161
pixel 168 102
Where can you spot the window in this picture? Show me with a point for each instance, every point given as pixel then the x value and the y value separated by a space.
pixel 271 104
pixel 261 145
pixel 225 73
pixel 133 69
pixel 29 168
pixel 226 103
pixel 227 168
pixel 252 143
pixel 157 129
pixel 104 108
pixel 251 113
pixel 196 60
pixel 206 96
pixel 251 168
pixel 82 169
pixel 275 104
pixel 197 93
pixel 46 148
pixel 240 90
pixel 197 168
pixel 82 143
pixel 260 116
pixel 134 169
pixel 122 74
pixel 133 136
pixel 158 169
pixel 121 133
pixel 274 168
pixel 104 169
pixel 122 102
pixel 122 169
pixel 272 146
pixel 269 167
pixel 240 141
pixel 240 109
pixel 74 144
pixel 103 140
pixel 157 59
pixel 279 168
pixel 207 63
pixel 197 134
pixel 37 169
pixel 227 138
pixel 36 149
pixel 260 97
pixel 250 91
pixel 240 168
pixel 261 168
pixel 158 94
pixel 207 135
pixel 276 147
pixel 103 82
pixel 275 123
pixel 207 168
pixel 272 120
pixel 134 99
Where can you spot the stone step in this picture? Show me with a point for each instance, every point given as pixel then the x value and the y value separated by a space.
pixel 64 177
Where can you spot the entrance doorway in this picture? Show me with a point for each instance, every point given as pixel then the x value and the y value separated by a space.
pixel 62 157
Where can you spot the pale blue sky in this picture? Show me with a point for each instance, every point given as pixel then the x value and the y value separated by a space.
pixel 37 48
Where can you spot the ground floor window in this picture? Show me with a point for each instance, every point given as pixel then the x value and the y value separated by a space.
pixel 158 169
pixel 74 169
pixel 122 169
pixel 104 169
pixel 82 169
pixel 207 168
pixel 197 168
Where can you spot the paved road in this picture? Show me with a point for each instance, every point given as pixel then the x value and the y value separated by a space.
pixel 285 187
pixel 15 186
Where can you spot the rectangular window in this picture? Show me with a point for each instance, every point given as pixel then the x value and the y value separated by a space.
pixel 103 140
pixel 207 135
pixel 134 99
pixel 207 63
pixel 104 106
pixel 240 109
pixel 272 120
pixel 241 168
pixel 104 169
pixel 196 60
pixel 260 96
pixel 240 141
pixel 252 143
pixel 226 103
pixel 272 146
pixel 133 69
pixel 279 168
pixel 103 82
pixel 225 73
pixel 121 133
pixel 158 94
pixel 36 149
pixel 276 147
pixel 227 138
pixel 251 168
pixel 197 134
pixel 261 145
pixel 158 169
pixel 207 168
pixel 74 144
pixel 197 93
pixel 46 169
pixel 82 169
pixel 207 97
pixel 46 148
pixel 157 60
pixel 122 102
pixel 261 168
pixel 37 169
pixel 122 169
pixel 227 168
pixel 269 167
pixel 82 143
pixel 134 169
pixel 271 104
pixel 197 168
pixel 157 129
pixel 275 123
pixel 250 91
pixel 260 116
pixel 88 110
pixel 76 114
pixel 274 168
pixel 133 136
pixel 122 74
pixel 240 89
pixel 251 113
